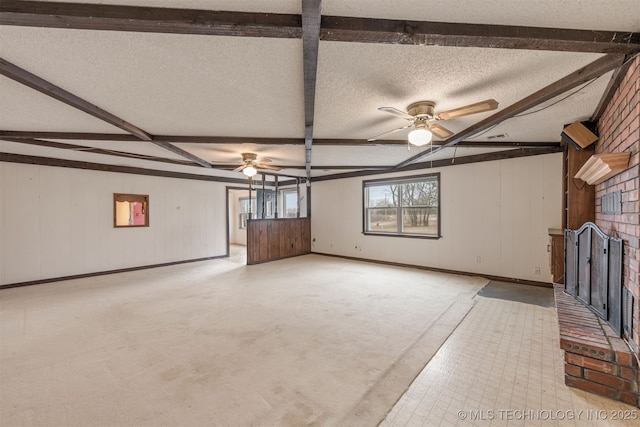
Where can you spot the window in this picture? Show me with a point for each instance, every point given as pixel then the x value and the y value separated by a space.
pixel 290 203
pixel 130 210
pixel 403 207
pixel 246 207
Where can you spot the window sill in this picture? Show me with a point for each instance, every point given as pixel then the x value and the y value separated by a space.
pixel 407 235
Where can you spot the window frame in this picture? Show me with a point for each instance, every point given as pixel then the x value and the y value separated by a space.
pixel 400 208
pixel 246 206
pixel 283 196
pixel 143 199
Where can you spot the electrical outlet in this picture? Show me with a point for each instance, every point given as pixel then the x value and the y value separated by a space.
pixel 536 270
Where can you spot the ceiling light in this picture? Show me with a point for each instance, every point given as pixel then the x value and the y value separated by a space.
pixel 420 136
pixel 249 171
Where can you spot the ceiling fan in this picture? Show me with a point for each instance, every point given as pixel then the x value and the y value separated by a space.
pixel 422 113
pixel 251 164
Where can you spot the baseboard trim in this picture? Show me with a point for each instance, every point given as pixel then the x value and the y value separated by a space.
pixel 103 273
pixel 166 264
pixel 443 270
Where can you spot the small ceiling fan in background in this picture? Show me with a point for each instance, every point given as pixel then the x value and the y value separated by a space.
pixel 251 164
pixel 422 113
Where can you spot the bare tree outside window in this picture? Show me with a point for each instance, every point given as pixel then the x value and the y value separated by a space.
pixel 403 207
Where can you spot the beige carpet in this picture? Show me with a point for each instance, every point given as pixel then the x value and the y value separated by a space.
pixel 311 340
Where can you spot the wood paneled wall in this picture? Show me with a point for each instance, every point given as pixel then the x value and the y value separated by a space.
pixel 272 239
pixel 580 197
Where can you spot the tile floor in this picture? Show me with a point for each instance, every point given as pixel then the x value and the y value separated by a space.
pixel 503 366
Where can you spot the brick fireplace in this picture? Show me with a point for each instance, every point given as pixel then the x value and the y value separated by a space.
pixel 598 358
pixel 619 129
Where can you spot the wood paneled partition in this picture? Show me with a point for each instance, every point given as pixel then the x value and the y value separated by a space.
pixel 272 239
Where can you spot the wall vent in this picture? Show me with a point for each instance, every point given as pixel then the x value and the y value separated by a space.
pixel 611 203
pixel 500 135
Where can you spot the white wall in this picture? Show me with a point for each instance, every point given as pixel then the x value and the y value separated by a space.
pixel 237 235
pixel 59 221
pixel 499 211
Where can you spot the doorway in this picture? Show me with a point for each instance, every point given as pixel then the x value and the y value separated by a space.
pixel 238 209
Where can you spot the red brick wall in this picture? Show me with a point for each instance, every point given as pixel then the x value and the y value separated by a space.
pixel 619 129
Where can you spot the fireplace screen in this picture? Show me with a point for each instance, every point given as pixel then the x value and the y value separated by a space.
pixel 593 272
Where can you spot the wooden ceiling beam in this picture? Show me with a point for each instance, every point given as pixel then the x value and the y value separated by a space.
pixel 95 150
pixel 389 31
pixel 350 167
pixel 595 69
pixel 486 157
pixel 311 15
pixel 20 158
pixel 228 166
pixel 87 136
pixel 403 142
pixel 28 79
pixel 20 75
pixel 76 164
pixel 180 152
pixel 180 139
pixel 363 170
pixel 149 19
pixel 332 28
pixel 611 88
pixel 226 140
pixel 506 144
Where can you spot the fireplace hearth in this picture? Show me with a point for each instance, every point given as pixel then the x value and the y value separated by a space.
pixel 594 311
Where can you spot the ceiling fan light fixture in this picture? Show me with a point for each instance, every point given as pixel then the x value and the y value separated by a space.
pixel 420 136
pixel 249 171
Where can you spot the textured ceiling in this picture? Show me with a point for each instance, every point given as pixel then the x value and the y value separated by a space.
pixel 621 15
pixel 253 87
pixel 355 79
pixel 170 83
pixel 265 6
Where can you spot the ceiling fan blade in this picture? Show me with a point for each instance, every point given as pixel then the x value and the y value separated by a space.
pixel 239 168
pixel 263 166
pixel 387 133
pixel 265 160
pixel 440 131
pixel 478 107
pixel 397 112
